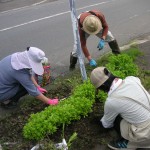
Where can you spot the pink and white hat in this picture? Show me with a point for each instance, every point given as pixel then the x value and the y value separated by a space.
pixel 31 58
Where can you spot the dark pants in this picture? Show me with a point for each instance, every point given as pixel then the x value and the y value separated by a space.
pixel 117 124
pixel 21 92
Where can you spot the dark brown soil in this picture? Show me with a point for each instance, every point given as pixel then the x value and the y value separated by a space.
pixel 90 135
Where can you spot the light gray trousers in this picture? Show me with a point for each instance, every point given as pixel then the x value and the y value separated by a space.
pixel 109 38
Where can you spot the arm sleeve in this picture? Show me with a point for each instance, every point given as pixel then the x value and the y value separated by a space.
pixel 110 114
pixel 24 78
pixel 83 42
pixel 132 78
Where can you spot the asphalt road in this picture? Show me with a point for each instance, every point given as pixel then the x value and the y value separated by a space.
pixel 47 25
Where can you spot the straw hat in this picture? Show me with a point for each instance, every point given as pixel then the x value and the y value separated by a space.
pixel 98 77
pixel 92 24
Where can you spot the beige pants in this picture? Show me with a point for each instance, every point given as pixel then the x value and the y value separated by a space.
pixel 138 135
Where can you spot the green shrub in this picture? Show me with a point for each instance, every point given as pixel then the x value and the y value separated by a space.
pixel 101 96
pixel 133 52
pixel 47 121
pixel 122 66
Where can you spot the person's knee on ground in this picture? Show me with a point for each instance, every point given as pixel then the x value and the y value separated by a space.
pixel 114 47
pixel 12 102
pixel 73 61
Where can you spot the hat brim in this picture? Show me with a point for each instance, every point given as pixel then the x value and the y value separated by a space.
pixel 100 83
pixel 98 77
pixel 36 67
pixel 99 25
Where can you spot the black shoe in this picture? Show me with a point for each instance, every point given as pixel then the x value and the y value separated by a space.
pixel 120 144
pixel 10 105
pixel 71 67
pixel 73 61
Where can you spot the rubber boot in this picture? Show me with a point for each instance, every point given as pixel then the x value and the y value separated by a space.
pixel 73 61
pixel 114 47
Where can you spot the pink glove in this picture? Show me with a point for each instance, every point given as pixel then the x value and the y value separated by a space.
pixel 53 101
pixel 41 90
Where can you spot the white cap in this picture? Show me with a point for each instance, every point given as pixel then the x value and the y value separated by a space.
pixel 31 58
pixel 35 57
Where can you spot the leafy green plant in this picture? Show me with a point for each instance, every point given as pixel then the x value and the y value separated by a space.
pixel 71 139
pixel 133 52
pixel 48 120
pixel 122 66
pixel 101 96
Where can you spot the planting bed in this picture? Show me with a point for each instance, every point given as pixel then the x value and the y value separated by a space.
pixel 90 135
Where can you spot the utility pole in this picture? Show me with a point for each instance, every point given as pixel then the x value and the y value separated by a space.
pixel 77 39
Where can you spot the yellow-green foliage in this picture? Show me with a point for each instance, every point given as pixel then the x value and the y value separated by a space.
pixel 122 66
pixel 47 121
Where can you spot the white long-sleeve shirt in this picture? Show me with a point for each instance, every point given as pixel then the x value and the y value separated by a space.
pixel 119 102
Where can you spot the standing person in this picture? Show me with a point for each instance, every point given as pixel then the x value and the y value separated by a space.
pixel 16 77
pixel 127 108
pixel 93 23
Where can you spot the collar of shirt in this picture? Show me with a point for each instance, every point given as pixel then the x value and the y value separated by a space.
pixel 116 83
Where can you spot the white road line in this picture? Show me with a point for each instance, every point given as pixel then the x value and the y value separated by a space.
pixel 33 21
pixel 14 9
pixel 23 7
pixel 93 5
pixel 39 3
pixel 133 16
